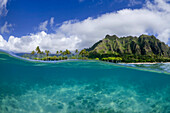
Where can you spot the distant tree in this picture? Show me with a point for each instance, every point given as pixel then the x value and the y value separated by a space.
pixel 67 52
pixel 83 52
pixel 61 51
pixel 47 52
pixel 38 50
pixel 41 52
pixel 57 52
pixel 33 52
pixel 76 51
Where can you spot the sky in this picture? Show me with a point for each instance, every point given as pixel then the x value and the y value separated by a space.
pixel 76 24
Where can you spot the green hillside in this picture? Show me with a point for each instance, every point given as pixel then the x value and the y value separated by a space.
pixel 134 48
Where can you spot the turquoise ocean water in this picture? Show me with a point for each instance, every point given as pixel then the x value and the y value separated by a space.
pixel 81 87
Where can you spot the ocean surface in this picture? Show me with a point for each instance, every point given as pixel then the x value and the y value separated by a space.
pixel 159 67
pixel 82 87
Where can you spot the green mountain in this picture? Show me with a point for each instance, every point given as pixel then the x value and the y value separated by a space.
pixel 143 45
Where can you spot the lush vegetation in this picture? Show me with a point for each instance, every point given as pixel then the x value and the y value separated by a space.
pixel 113 49
pixel 142 45
pixel 60 55
pixel 112 59
pixel 131 49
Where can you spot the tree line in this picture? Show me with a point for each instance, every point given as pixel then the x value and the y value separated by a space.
pixel 37 54
pixel 47 52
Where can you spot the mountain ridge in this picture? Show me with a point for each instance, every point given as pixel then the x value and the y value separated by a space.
pixel 142 45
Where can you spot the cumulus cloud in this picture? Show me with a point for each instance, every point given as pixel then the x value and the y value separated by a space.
pixel 134 2
pixel 122 23
pixel 2 43
pixel 50 42
pixel 43 26
pixel 51 21
pixel 75 34
pixel 3 4
pixel 161 5
pixel 5 28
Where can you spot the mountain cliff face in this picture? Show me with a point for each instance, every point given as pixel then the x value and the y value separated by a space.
pixel 142 45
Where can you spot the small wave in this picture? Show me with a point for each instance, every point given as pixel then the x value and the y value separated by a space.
pixel 162 67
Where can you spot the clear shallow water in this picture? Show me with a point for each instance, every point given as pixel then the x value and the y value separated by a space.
pixel 80 86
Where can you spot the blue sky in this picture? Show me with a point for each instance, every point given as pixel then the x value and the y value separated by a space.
pixel 26 15
pixel 77 24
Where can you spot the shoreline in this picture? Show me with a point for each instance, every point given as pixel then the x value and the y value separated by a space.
pixel 145 63
pixel 128 65
pixel 17 56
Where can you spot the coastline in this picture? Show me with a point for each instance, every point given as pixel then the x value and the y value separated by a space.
pixel 128 65
pixel 145 63
pixel 16 56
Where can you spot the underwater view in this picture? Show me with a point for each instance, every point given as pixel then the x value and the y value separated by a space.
pixel 85 56
pixel 80 87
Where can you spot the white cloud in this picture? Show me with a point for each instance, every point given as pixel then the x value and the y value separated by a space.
pixel 51 21
pixel 43 26
pixel 134 2
pixel 5 28
pixel 52 42
pixel 75 34
pixel 161 5
pixel 3 43
pixel 122 23
pixel 3 4
pixel 165 35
